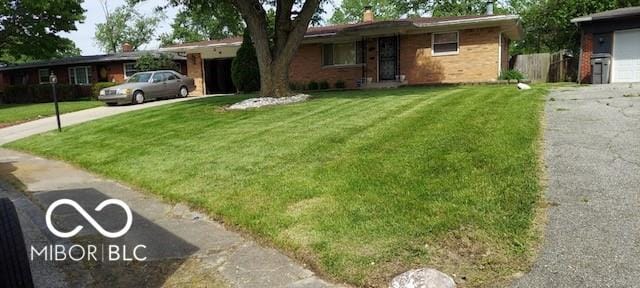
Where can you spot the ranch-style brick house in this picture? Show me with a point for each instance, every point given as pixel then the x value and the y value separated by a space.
pixel 429 50
pixel 79 70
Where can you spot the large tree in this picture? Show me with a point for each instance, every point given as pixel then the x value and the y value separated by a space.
pixel 28 28
pixel 274 50
pixel 125 25
pixel 548 26
pixel 197 24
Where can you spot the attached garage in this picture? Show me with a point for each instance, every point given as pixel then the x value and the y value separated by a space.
pixel 610 46
pixel 209 64
pixel 626 56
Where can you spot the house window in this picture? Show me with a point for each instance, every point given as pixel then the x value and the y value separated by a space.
pixel 43 75
pixel 80 75
pixel 342 54
pixel 130 69
pixel 445 43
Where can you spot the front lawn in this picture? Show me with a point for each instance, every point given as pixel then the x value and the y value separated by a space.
pixel 360 185
pixel 11 114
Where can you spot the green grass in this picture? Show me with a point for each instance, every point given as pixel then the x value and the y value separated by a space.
pixel 360 185
pixel 16 113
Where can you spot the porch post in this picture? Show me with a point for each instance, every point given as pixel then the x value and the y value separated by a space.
pixel 363 51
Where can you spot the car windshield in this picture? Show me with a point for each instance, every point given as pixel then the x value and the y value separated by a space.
pixel 139 77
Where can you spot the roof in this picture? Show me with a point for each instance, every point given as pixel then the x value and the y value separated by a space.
pixel 611 14
pixel 123 56
pixel 333 30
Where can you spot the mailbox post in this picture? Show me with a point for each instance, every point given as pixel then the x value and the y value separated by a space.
pixel 53 80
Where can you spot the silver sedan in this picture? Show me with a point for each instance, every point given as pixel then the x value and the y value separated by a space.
pixel 144 86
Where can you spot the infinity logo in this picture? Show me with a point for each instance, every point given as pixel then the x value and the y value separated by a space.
pixel 88 217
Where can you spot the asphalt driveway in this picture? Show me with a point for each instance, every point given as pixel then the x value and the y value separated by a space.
pixel 12 133
pixel 592 140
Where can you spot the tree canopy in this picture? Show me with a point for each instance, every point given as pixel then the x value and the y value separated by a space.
pixel 125 25
pixel 204 23
pixel 28 28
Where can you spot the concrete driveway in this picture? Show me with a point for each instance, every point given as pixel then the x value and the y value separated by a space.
pixel 592 153
pixel 27 129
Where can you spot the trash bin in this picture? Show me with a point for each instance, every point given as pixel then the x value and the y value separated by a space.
pixel 600 68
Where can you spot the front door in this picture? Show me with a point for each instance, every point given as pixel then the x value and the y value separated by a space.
pixel 388 57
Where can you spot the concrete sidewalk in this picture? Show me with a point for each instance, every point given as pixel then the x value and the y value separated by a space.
pixel 592 158
pixel 12 133
pixel 183 247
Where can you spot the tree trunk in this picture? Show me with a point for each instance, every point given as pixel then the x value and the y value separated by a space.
pixel 274 62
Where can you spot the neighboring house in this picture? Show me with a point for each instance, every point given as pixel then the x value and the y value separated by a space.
pixel 80 70
pixel 373 53
pixel 610 46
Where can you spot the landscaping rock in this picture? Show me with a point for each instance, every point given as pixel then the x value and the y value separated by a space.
pixel 422 278
pixel 268 101
pixel 523 86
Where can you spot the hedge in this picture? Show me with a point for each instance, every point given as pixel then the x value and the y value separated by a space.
pixel 96 87
pixel 24 94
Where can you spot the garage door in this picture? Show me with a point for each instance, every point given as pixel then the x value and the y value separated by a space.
pixel 626 56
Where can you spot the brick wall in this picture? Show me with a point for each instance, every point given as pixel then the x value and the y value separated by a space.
pixel 476 62
pixel 307 66
pixel 585 58
pixel 194 70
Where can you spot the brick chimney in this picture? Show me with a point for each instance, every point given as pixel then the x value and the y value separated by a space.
pixel 126 47
pixel 489 7
pixel 368 14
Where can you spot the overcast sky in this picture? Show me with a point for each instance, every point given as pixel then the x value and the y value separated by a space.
pixel 83 37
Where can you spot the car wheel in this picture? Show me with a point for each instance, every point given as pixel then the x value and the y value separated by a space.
pixel 184 92
pixel 137 98
pixel 14 260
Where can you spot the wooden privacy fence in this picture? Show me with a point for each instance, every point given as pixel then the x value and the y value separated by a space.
pixel 547 67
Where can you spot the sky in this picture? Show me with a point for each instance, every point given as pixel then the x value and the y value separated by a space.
pixel 84 35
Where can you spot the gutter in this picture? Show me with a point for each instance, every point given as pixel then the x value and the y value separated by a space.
pixel 468 21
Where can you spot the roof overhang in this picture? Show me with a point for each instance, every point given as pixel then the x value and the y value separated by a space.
pixel 606 15
pixel 197 48
pixel 509 24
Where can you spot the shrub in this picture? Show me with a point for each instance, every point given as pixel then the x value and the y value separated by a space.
pixel 244 69
pixel 295 86
pixel 42 93
pixel 96 87
pixel 313 85
pixel 511 74
pixel 150 62
pixel 324 85
pixel 340 84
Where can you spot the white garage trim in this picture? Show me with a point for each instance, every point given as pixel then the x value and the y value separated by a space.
pixel 616 64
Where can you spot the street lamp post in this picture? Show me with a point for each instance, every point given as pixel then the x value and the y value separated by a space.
pixel 53 80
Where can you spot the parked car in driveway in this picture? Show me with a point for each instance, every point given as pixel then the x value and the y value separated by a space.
pixel 149 85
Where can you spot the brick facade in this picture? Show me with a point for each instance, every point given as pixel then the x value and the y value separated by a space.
pixel 307 66
pixel 194 70
pixel 478 61
pixel 585 58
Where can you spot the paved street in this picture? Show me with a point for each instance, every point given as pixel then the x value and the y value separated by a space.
pixel 592 153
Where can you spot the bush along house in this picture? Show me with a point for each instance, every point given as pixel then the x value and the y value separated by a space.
pixel 390 53
pixel 610 46
pixel 27 83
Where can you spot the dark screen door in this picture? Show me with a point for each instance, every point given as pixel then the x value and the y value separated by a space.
pixel 388 58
